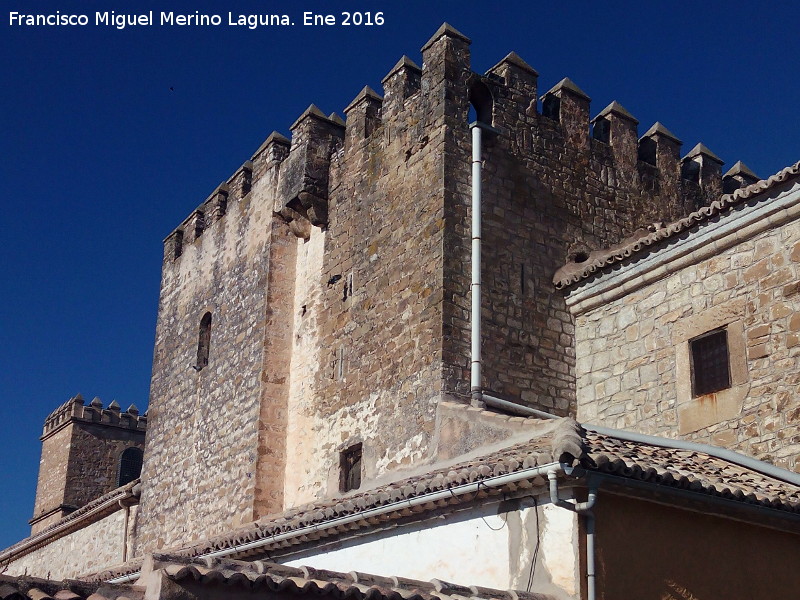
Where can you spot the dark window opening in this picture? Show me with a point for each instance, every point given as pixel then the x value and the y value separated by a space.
pixel 690 171
pixel 481 100
pixel 580 257
pixel 204 341
pixel 647 151
pixel 350 468
pixel 348 287
pixel 602 130
pixel 551 108
pixel 711 370
pixel 130 466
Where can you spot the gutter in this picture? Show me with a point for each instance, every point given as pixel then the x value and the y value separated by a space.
pixel 549 470
pixel 584 509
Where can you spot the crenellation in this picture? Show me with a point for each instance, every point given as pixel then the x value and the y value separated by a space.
pixel 363 117
pixel 270 154
pixel 81 448
pixel 701 171
pixel 303 181
pixel 738 176
pixel 617 127
pixel 173 246
pixel 516 74
pixel 219 203
pixel 445 71
pixel 346 286
pixel 569 105
pixel 335 118
pixel 240 183
pixel 196 225
pixel 327 284
pixel 402 82
pixel 74 410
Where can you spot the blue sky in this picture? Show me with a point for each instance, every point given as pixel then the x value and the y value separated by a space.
pixel 110 138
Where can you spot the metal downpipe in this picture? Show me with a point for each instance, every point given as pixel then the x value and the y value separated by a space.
pixel 476 388
pixel 584 509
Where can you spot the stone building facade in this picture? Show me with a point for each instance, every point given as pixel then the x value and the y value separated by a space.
pixel 731 267
pixel 312 352
pixel 334 268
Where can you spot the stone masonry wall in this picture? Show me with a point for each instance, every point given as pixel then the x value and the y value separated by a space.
pixel 336 268
pixel 631 361
pixel 52 480
pixel 86 550
pixel 205 433
pixel 366 366
pixel 387 281
pixel 550 193
pixel 81 450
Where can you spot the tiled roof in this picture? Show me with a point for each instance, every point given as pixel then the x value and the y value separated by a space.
pixel 271 577
pixel 690 470
pixel 564 442
pixel 30 588
pixel 642 239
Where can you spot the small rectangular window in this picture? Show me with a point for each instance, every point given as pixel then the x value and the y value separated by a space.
pixel 711 370
pixel 350 468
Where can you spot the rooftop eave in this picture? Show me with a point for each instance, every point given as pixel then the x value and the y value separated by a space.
pixel 686 242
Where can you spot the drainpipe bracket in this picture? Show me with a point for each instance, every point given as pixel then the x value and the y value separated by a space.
pixel 576 472
pixel 485 127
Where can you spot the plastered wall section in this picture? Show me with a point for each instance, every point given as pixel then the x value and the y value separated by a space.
pixel 86 550
pixel 491 547
pixel 632 353
pixel 204 433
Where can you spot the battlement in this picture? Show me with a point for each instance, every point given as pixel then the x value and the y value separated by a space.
pixel 651 161
pixel 74 410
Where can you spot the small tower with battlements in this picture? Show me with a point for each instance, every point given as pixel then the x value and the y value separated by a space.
pixel 87 451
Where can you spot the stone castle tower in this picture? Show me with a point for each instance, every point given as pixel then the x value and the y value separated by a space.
pixel 87 451
pixel 314 310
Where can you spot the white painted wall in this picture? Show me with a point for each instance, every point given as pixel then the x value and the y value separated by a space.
pixel 480 548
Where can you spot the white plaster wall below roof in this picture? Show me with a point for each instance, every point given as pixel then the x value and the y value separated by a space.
pixel 482 548
pixel 560 544
pixel 742 222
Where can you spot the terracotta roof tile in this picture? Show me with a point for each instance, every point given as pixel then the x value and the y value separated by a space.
pixel 31 588
pixel 642 239
pixel 691 470
pixel 306 580
pixel 564 442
